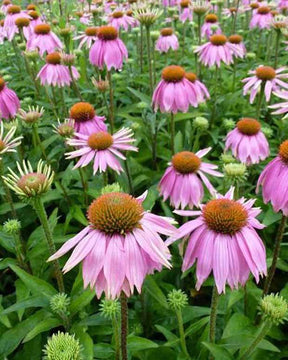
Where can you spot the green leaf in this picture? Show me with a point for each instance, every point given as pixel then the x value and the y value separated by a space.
pixel 218 351
pixel 13 337
pixel 237 324
pixel 22 293
pixel 4 318
pixel 33 301
pixel 136 343
pixel 81 301
pixel 153 289
pixel 167 333
pixel 140 96
pixel 103 351
pixel 195 327
pixel 44 325
pixel 33 283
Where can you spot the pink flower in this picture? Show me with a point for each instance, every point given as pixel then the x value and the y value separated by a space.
pixel 238 48
pixel 273 180
pixel 13 13
pixel 7 143
pixel 182 181
pixel 44 39
pixel 281 108
pixel 267 78
pixel 167 40
pixel 174 92
pixel 120 246
pixel 223 239
pixel 108 49
pixel 247 142
pixel 169 3
pixel 85 120
pixel 102 148
pixel 185 13
pixel 215 51
pixel 9 102
pixel 34 20
pixel 118 19
pixel 88 37
pixel 200 90
pixel 210 26
pixel 261 18
pixel 5 5
pixel 283 4
pixel 56 74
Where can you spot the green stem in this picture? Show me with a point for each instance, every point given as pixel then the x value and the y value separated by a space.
pixel 84 185
pixel 124 326
pixel 127 170
pixel 7 192
pixel 265 327
pixel 182 334
pixel 75 86
pixel 149 58
pixel 278 35
pixel 261 95
pixel 196 141
pixel 41 212
pixel 141 48
pixel 62 96
pixel 38 140
pixel 235 17
pixel 116 337
pixel 199 28
pixel 172 133
pixel 276 252
pixel 111 105
pixel 213 314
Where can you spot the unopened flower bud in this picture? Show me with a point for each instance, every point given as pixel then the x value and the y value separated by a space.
pixel 177 299
pixel 201 123
pixel 235 172
pixel 115 187
pixel 12 227
pixel 228 158
pixel 274 308
pixel 228 124
pixel 109 308
pixel 62 346
pixel 59 303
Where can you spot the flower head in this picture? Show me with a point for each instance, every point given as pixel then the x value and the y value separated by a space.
pixel 177 299
pixel 182 180
pixel 274 308
pixel 65 129
pixel 62 346
pixel 12 226
pixel 30 183
pixel 110 308
pixel 44 40
pixel 266 78
pixel 32 115
pixel 223 240
pixel 102 148
pixel 247 142
pixel 7 143
pixel 59 303
pixel 120 246
pixel 9 102
pixel 146 14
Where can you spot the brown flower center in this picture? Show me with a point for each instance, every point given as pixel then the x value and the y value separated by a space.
pixel 34 15
pixel 233 10
pixel 107 33
pixel 2 84
pixel 100 141
pixel 166 32
pixel 235 39
pixel 225 216
pixel 254 5
pixel 191 77
pixel 129 12
pixel 91 31
pixel 2 145
pixel 173 73
pixel 283 151
pixel 31 182
pixel 274 12
pixel 31 7
pixel 186 162
pixel 218 39
pixel 79 14
pixel 22 22
pixel 6 2
pixel 42 29
pixel 117 14
pixel 185 3
pixel 2 22
pixel 82 112
pixel 248 126
pixel 53 58
pixel 211 18
pixel 263 10
pixel 115 213
pixel 14 9
pixel 265 73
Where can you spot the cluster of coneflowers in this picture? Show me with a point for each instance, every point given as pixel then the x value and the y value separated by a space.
pixel 122 242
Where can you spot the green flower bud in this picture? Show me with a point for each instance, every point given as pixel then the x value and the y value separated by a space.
pixel 274 308
pixel 12 227
pixel 32 54
pixel 154 35
pixel 142 105
pixel 235 172
pixel 228 124
pixel 227 158
pixel 201 123
pixel 177 299
pixel 62 347
pixel 250 55
pixel 78 52
pixel 7 77
pixel 268 132
pixel 27 100
pixel 110 308
pixel 111 188
pixel 59 303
